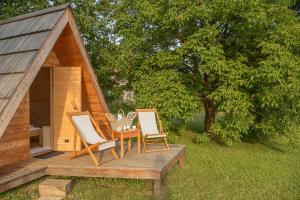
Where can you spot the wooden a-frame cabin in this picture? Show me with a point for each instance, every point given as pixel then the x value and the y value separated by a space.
pixel 43 68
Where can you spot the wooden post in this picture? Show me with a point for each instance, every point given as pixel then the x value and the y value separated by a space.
pixel 139 144
pixel 129 144
pixel 181 161
pixel 157 187
pixel 122 146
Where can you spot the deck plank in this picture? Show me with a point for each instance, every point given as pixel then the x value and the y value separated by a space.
pixel 144 166
pixel 19 173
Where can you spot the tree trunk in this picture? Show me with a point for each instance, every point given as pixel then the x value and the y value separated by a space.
pixel 210 111
pixel 210 114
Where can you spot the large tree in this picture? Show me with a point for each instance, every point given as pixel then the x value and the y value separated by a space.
pixel 10 8
pixel 240 58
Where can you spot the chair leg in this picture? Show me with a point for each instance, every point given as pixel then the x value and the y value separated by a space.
pixel 166 142
pixel 93 156
pixel 157 150
pixel 74 146
pixel 144 143
pixel 115 155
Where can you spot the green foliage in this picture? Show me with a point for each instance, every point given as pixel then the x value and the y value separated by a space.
pixel 248 50
pixel 173 138
pixel 19 7
pixel 243 56
pixel 164 90
pixel 202 139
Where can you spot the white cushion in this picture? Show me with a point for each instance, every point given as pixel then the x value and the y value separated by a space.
pixel 148 123
pixel 89 134
pixel 107 145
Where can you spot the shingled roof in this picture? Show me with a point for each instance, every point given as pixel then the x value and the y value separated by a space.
pixel 25 42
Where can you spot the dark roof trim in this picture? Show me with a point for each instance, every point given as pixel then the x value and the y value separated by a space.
pixel 15 52
pixel 24 34
pixel 37 13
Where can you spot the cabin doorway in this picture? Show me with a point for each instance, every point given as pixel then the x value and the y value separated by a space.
pixel 41 140
pixel 53 93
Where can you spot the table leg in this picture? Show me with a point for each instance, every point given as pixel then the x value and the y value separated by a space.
pixel 139 144
pixel 122 146
pixel 129 144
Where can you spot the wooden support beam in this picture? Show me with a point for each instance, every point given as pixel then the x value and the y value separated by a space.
pixel 157 187
pixel 181 161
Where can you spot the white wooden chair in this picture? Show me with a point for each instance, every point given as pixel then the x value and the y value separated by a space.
pixel 147 123
pixel 90 135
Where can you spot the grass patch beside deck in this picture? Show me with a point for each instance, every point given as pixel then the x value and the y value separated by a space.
pixel 244 171
pixel 212 171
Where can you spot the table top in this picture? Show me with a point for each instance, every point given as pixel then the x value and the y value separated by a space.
pixel 127 131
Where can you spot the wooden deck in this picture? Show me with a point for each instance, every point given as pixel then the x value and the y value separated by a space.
pixel 144 166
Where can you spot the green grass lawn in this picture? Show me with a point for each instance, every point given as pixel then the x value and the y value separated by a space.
pixel 212 171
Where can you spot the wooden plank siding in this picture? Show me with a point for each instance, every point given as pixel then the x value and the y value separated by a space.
pixel 66 88
pixel 86 60
pixel 91 102
pixel 14 144
pixel 69 55
pixel 52 60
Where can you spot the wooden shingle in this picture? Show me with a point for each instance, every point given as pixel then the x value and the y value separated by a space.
pixel 3 103
pixel 17 62
pixel 29 25
pixel 8 84
pixel 23 43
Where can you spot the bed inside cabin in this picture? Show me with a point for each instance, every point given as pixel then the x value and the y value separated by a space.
pixel 40 113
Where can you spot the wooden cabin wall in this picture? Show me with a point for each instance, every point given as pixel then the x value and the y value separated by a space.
pixel 69 55
pixel 52 60
pixel 40 99
pixel 91 102
pixel 66 88
pixel 14 143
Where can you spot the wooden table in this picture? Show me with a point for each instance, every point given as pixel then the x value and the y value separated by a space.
pixel 128 134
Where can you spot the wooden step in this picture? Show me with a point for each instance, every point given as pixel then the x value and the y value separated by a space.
pixel 50 198
pixel 55 188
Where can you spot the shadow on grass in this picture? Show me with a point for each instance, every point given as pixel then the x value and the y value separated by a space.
pixel 195 125
pixel 273 145
pixel 267 142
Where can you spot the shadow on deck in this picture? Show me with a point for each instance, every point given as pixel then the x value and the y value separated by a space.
pixel 144 166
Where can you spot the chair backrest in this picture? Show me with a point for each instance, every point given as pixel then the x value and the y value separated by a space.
pixel 147 121
pixel 85 127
